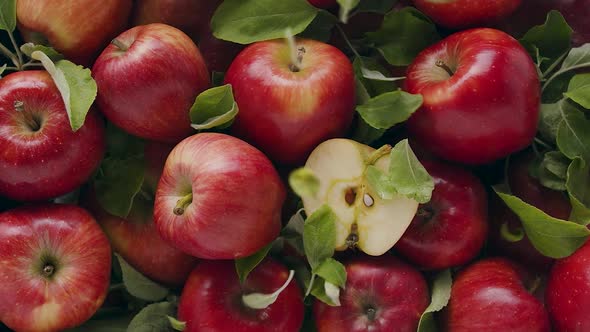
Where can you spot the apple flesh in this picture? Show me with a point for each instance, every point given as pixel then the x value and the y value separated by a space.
pixel 150 103
pixel 449 230
pixel 42 157
pixel 460 14
pixel 218 198
pixel 381 294
pixel 490 295
pixel 365 221
pixel 287 108
pixel 481 96
pixel 56 266
pixel 78 29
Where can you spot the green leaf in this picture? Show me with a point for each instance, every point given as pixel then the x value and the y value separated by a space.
pixel 579 90
pixel 346 6
pixel 76 85
pixel 118 182
pixel 213 108
pixel 332 271
pixel 577 58
pixel 140 286
pixel 245 265
pixel 321 27
pixel 403 35
pixel 176 324
pixel 380 182
pixel 408 175
pixel 122 145
pixel 153 318
pixel 319 236
pixel 29 48
pixel 549 120
pixel 441 293
pixel 318 289
pixel 389 109
pixel 376 6
pixel 246 22
pixel 8 15
pixel 262 301
pixel 304 182
pixel 552 170
pixel 552 39
pixel 293 232
pixel 370 83
pixel 573 133
pixel 578 188
pixel 552 237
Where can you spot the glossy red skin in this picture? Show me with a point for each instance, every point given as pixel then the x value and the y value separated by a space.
pixel 211 299
pixel 54 160
pixel 490 296
pixel 488 109
pixel 237 198
pixel 458 227
pixel 459 14
pixel 397 292
pixel 568 292
pixel 79 29
pixel 325 4
pixel 149 102
pixel 32 303
pixel 287 114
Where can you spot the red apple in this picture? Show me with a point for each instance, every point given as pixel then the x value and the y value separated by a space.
pixel 490 295
pixel 218 54
pixel 481 96
pixel 457 14
pixel 287 109
pixel 381 294
pixel 323 3
pixel 212 299
pixel 41 156
pixel 568 292
pixel 78 29
pixel 449 230
pixel 218 198
pixel 136 90
pixel 56 267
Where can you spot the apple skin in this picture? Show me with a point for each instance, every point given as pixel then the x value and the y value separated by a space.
pixel 150 103
pixel 211 299
pixel 487 109
pixel 568 292
pixel 460 14
pixel 63 237
pixel 78 29
pixel 449 230
pixel 395 291
pixel 287 114
pixel 46 161
pixel 236 203
pixel 490 295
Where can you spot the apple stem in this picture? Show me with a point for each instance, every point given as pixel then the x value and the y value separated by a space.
pixel 382 151
pixel 295 52
pixel 19 106
pixel 182 204
pixel 443 65
pixel 120 45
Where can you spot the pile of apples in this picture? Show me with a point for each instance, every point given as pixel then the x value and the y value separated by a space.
pixel 177 165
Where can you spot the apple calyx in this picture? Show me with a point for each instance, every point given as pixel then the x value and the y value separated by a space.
pixel 371 313
pixel 441 64
pixel 120 45
pixel 48 270
pixel 425 213
pixel 182 204
pixel 261 301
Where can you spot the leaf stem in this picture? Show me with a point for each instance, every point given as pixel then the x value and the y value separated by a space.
pixel 554 64
pixel 9 55
pixel 562 71
pixel 377 154
pixel 308 291
pixel 349 44
pixel 17 49
pixel 32 64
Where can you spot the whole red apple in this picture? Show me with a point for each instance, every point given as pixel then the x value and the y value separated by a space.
pixel 287 108
pixel 490 295
pixel 568 292
pixel 458 14
pixel 449 230
pixel 78 29
pixel 218 198
pixel 381 294
pixel 136 90
pixel 41 156
pixel 56 267
pixel 481 96
pixel 212 299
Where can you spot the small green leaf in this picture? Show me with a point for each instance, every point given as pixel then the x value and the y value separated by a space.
pixel 573 133
pixel 373 86
pixel 346 6
pixel 389 109
pixel 375 75
pixel 318 289
pixel 118 182
pixel 403 35
pixel 213 108
pixel 293 232
pixel 549 120
pixel 176 324
pixel 578 188
pixel 140 286
pixel 29 48
pixel 578 57
pixel 262 301
pixel 552 237
pixel 76 85
pixel 319 235
pixel 245 265
pixel 552 170
pixel 441 293
pixel 380 182
pixel 408 175
pixel 332 291
pixel 551 39
pixel 332 271
pixel 579 90
pixel 8 15
pixel 304 182
pixel 246 22
pixel 153 318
